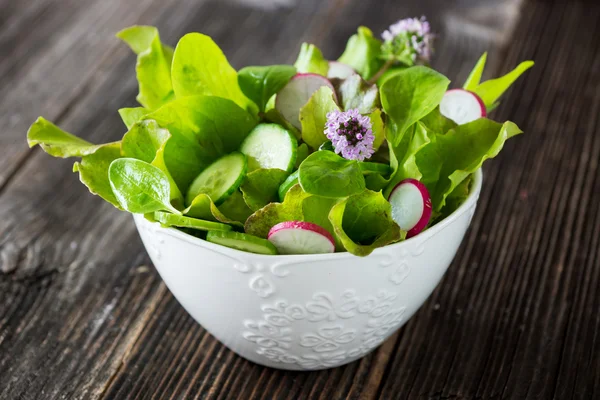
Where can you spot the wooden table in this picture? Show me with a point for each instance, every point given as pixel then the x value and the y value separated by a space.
pixel 83 314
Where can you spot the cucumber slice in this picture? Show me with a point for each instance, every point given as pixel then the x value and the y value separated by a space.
pixel 270 146
pixel 287 185
pixel 168 219
pixel 242 241
pixel 369 168
pixel 220 179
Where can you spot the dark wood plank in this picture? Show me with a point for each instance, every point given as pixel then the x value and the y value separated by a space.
pixel 499 324
pixel 83 315
pixel 72 303
pixel 203 368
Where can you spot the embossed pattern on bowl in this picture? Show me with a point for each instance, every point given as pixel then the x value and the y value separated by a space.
pixel 305 312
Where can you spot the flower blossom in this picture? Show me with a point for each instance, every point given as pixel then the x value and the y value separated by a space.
pixel 409 40
pixel 350 134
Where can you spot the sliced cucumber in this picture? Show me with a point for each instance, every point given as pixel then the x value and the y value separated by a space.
pixel 242 241
pixel 369 168
pixel 168 219
pixel 220 179
pixel 270 146
pixel 287 185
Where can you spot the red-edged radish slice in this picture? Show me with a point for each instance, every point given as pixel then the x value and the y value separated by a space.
pixel 462 106
pixel 297 237
pixel 339 70
pixel 411 206
pixel 296 94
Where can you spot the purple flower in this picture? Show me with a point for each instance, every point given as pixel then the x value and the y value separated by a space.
pixel 350 133
pixel 409 40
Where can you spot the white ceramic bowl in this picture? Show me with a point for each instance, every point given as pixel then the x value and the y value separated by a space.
pixel 305 312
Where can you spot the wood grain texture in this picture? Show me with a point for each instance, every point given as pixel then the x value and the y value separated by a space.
pixel 84 315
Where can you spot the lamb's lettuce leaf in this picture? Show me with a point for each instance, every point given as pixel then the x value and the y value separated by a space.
pixel 259 84
pixel 326 174
pixel 301 154
pixel 201 68
pixel 147 141
pixel 311 60
pixel 203 128
pixel 362 53
pixel 410 95
pixel 140 187
pixel 313 116
pixel 153 67
pixel 490 91
pixel 363 222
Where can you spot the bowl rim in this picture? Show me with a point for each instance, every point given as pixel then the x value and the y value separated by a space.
pixel 234 253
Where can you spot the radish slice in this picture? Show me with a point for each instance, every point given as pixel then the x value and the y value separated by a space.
pixel 296 237
pixel 339 70
pixel 462 106
pixel 296 94
pixel 411 206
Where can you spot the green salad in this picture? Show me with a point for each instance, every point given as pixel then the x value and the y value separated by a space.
pixel 315 157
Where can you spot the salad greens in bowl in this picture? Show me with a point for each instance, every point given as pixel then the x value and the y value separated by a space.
pixel 317 157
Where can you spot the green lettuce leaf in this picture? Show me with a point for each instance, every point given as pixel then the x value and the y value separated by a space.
pixel 354 92
pixel 363 222
pixel 203 128
pixel 311 60
pixel 490 91
pixel 455 199
pixel 411 142
pixel 313 116
pixel 132 115
pixel 410 95
pixel 201 68
pixel 235 208
pixel 56 142
pixel 475 76
pixel 93 171
pixel 297 206
pixel 95 158
pixel 449 159
pixel 362 53
pixel 261 187
pixel 326 174
pixel 153 65
pixel 139 187
pixel 436 122
pixel 259 223
pixel 259 84
pixel 143 140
